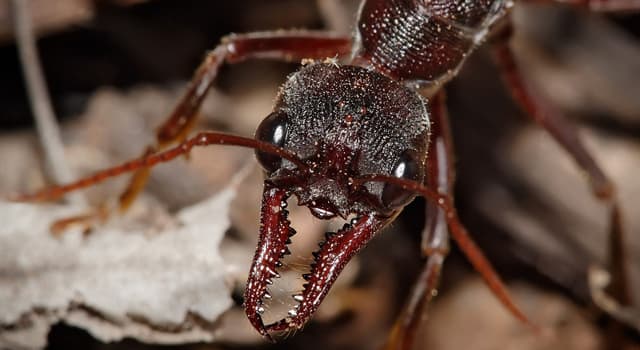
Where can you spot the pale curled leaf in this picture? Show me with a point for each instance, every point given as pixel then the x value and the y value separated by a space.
pixel 162 287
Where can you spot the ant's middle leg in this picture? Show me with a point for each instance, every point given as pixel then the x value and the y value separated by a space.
pixel 284 46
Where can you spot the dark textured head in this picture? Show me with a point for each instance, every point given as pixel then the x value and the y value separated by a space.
pixel 343 122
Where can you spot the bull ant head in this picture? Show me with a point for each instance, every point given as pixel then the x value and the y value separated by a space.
pixel 341 122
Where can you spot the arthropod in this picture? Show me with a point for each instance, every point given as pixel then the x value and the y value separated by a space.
pixel 351 136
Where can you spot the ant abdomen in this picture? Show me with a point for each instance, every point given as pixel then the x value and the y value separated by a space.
pixel 423 41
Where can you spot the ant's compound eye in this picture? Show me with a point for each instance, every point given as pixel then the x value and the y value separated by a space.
pixel 407 167
pixel 273 129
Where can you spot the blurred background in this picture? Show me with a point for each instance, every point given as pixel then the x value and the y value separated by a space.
pixel 115 68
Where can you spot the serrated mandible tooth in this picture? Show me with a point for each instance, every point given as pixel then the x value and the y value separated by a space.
pixel 271 271
pixel 298 297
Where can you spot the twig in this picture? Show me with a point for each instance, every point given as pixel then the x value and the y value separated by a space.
pixel 46 125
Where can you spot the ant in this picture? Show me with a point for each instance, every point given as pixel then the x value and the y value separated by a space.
pixel 357 133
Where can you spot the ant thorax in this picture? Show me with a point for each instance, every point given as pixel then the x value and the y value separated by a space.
pixel 344 122
pixel 424 43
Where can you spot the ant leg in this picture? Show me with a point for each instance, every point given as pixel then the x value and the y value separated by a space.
pixel 551 120
pixel 566 134
pixel 285 46
pixel 440 175
pixel 402 334
pixel 435 237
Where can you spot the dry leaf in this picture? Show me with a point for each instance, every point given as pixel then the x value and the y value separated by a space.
pixel 162 287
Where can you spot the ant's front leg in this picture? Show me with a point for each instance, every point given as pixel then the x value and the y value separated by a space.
pixel 281 45
pixel 566 134
pixel 435 235
pixel 435 238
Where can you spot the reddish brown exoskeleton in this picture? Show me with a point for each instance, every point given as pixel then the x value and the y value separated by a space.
pixel 351 136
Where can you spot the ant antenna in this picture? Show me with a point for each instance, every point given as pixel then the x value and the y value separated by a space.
pixel 461 236
pixel 200 140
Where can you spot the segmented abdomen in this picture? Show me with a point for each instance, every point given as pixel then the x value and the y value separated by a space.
pixel 424 40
